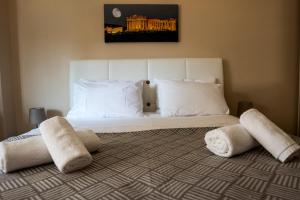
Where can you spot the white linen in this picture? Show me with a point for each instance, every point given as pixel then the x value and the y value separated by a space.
pixel 149 122
pixel 33 151
pixel 98 99
pixel 206 80
pixel 182 98
pixel 229 140
pixel 66 149
pixel 270 136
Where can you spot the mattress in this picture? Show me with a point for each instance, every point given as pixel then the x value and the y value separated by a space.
pixel 149 121
pixel 159 164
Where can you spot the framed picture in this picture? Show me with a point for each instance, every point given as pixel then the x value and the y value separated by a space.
pixel 141 23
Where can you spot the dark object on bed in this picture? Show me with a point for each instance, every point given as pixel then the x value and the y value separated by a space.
pixel 160 164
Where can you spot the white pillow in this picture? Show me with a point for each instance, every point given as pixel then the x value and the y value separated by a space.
pixel 181 98
pixel 208 80
pixel 99 99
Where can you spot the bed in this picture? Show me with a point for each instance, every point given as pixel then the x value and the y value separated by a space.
pixel 153 157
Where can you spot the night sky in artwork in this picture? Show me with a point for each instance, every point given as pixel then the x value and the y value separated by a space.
pixel 161 11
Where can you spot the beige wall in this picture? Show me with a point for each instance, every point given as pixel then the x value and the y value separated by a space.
pixel 7 107
pixel 258 40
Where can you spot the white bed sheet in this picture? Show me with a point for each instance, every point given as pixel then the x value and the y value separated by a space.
pixel 149 121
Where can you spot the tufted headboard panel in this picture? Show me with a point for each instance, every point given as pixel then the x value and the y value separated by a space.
pixel 147 70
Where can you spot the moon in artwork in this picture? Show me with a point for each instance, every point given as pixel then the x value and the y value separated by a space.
pixel 116 12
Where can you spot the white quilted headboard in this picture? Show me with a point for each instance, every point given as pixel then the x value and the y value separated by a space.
pixel 146 69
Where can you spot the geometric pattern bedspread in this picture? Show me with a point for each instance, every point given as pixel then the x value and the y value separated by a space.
pixel 166 164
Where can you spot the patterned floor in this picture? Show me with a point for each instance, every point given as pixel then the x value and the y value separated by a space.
pixel 167 164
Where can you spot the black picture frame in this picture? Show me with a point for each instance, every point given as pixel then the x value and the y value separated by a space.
pixel 141 23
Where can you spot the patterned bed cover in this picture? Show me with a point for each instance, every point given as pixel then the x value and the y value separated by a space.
pixel 165 164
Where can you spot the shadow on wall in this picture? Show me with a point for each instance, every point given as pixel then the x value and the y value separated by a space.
pixel 259 94
pixel 233 97
pixel 228 86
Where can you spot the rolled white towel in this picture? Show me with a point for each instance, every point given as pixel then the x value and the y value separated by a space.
pixel 270 136
pixel 33 151
pixel 229 141
pixel 64 145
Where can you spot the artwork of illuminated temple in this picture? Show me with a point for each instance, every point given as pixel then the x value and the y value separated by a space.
pixel 137 23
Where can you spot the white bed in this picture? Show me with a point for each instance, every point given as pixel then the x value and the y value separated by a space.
pixel 153 157
pixel 147 69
